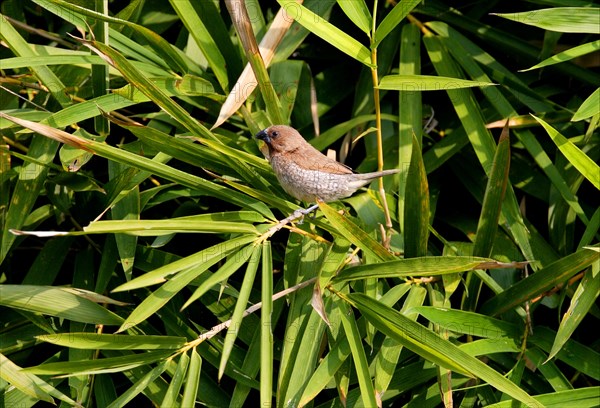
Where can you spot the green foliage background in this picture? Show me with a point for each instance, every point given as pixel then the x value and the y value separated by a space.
pixel 141 258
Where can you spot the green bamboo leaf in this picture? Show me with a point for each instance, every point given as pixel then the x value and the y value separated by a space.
pixel 494 197
pixel 48 60
pixel 266 325
pixel 243 27
pixel 361 365
pixel 582 162
pixel 148 88
pixel 100 80
pixel 548 369
pixel 582 301
pixel 568 55
pixel 185 85
pixel 213 155
pixel 98 366
pixel 417 83
pixel 329 365
pixel 561 19
pixel 491 210
pixel 229 268
pixel 466 53
pixel 334 261
pixel 41 150
pixel 393 18
pixel 358 13
pixel 493 345
pixel 139 386
pixel 172 393
pixel 24 382
pixel 143 163
pixel 157 299
pixel 589 107
pixel 159 45
pixel 586 397
pixel 355 235
pixel 211 254
pixel 327 31
pixel 87 109
pixel 340 350
pixel 21 48
pixel 471 118
pixel 173 225
pixel 195 26
pixel 386 361
pixel 95 341
pixel 590 231
pixel 416 207
pixel 304 325
pixel 56 302
pixel 421 266
pixel 192 382
pixel 125 210
pixel 473 324
pixel 285 76
pixel 240 305
pixel 430 346
pixel 541 281
pixel 579 356
pixel 410 115
pixel 336 132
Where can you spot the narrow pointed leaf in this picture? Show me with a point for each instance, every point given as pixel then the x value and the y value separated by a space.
pixel 584 298
pixel 162 295
pixel 139 386
pixel 430 346
pixel 561 19
pixel 394 17
pixel 327 31
pixel 589 107
pixel 56 302
pixel 422 266
pixel 358 13
pixel 172 393
pixel 416 207
pixel 568 55
pixel 240 305
pixel 416 83
pixel 494 197
pixel 192 382
pixel 211 254
pixel 266 324
pixel 12 374
pixel 544 279
pixel 98 366
pixel 95 341
pixel 355 235
pixel 582 162
pixel 359 357
pixel 158 44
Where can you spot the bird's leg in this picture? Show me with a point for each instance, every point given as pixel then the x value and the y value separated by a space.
pixel 301 212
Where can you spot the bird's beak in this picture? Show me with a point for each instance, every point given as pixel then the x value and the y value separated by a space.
pixel 263 135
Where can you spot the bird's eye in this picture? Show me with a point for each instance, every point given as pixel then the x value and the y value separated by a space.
pixel 275 134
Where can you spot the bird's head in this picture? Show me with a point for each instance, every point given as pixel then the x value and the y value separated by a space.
pixel 281 139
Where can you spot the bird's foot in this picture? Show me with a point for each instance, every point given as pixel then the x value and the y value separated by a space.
pixel 301 212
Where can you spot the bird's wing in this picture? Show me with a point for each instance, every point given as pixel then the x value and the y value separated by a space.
pixel 312 159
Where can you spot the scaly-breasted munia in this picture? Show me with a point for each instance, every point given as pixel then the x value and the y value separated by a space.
pixel 306 173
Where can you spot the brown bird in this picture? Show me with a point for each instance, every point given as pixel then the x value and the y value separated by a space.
pixel 306 173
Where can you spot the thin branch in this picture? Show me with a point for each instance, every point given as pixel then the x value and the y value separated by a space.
pixel 220 327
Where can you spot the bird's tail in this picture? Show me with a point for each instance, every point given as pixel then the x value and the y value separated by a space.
pixel 376 174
